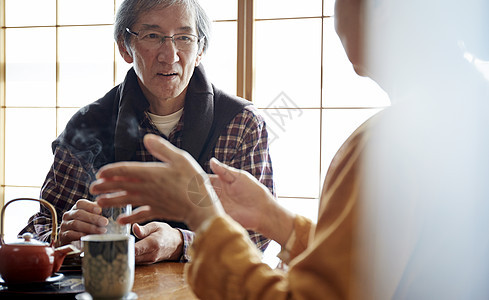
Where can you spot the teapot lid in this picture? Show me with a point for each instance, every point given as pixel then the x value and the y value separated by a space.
pixel 28 240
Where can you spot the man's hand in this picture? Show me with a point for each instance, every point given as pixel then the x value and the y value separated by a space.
pixel 84 218
pixel 158 242
pixel 174 189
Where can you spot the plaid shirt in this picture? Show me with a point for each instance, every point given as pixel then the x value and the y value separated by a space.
pixel 243 145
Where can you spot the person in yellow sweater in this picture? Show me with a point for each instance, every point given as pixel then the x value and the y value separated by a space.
pixel 403 212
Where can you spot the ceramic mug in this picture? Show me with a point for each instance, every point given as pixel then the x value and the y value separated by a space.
pixel 108 265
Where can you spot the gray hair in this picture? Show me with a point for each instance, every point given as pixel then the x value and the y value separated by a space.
pixel 130 10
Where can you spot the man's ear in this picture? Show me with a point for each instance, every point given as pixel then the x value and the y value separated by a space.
pixel 199 57
pixel 125 53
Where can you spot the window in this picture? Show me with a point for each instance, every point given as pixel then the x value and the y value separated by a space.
pixel 59 55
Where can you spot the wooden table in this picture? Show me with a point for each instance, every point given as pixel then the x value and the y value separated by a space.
pixel 161 281
pixel 157 281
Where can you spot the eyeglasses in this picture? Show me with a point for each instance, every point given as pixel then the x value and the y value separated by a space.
pixel 153 39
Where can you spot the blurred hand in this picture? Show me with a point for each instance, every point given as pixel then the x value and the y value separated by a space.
pixel 82 219
pixel 173 190
pixel 159 242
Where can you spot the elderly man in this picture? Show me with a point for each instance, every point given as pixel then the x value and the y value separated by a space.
pixel 404 210
pixel 166 93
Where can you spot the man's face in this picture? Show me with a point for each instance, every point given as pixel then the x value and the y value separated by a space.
pixel 349 26
pixel 163 72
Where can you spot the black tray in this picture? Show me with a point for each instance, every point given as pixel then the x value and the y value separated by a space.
pixel 65 288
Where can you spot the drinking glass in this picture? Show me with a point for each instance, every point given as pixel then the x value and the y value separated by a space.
pixel 112 213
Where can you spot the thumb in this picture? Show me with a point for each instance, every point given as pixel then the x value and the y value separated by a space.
pixel 216 184
pixel 215 181
pixel 160 148
pixel 141 231
pixel 226 173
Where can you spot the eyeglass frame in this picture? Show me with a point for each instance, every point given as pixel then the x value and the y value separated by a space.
pixel 164 37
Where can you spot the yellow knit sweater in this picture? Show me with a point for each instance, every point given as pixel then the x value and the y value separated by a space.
pixel 226 265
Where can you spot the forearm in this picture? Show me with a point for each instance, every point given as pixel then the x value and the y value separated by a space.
pixel 276 222
pixel 298 240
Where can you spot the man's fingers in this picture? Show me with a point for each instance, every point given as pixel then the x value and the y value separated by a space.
pixel 145 230
pixel 128 171
pixel 145 252
pixel 67 237
pixel 74 227
pixel 87 205
pixel 83 216
pixel 141 214
pixel 136 229
pixel 119 199
pixel 108 185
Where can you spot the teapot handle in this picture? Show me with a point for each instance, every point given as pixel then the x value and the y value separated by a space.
pixel 54 231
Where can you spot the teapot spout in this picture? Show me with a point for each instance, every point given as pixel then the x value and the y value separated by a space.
pixel 60 254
